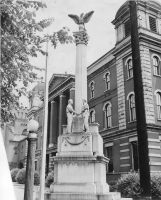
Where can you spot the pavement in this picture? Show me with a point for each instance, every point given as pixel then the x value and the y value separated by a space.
pixel 19 192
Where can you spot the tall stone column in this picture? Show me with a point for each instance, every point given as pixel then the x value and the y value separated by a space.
pixel 81 39
pixel 62 112
pixel 72 95
pixel 53 123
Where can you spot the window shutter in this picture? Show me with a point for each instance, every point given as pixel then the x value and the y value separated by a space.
pixel 152 23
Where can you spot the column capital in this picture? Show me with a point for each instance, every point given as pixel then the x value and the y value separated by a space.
pixel 53 101
pixel 81 37
pixel 62 95
pixel 73 88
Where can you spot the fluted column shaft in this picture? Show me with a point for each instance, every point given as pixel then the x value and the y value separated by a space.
pixel 72 95
pixel 81 39
pixel 62 112
pixel 53 123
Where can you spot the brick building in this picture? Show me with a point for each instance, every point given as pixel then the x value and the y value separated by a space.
pixel 111 89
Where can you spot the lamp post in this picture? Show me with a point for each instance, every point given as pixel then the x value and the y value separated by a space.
pixel 30 167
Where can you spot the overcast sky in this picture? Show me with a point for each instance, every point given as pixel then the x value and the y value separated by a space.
pixel 100 30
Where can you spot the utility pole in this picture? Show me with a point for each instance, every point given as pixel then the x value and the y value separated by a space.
pixel 43 152
pixel 140 105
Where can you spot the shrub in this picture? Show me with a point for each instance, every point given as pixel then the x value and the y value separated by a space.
pixel 36 178
pixel 156 185
pixel 113 186
pixel 129 185
pixel 14 172
pixel 49 179
pixel 21 176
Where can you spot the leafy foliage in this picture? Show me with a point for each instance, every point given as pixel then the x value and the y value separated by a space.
pixel 49 179
pixel 36 178
pixel 129 185
pixel 21 176
pixel 21 39
pixel 14 172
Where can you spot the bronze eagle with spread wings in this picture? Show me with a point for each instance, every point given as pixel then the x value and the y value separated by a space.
pixel 82 19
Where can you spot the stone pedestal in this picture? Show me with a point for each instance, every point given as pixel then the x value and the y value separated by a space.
pixel 80 166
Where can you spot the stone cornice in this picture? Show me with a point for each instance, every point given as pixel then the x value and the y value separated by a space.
pixel 149 37
pixel 123 44
pixel 106 58
pixel 102 68
pixel 67 83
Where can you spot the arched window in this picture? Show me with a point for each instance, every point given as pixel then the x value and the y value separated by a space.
pixel 132 111
pixel 92 116
pixel 129 68
pixel 107 80
pixel 156 65
pixel 158 103
pixel 107 115
pixel 91 85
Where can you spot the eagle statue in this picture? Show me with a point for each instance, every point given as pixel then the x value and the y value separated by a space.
pixel 82 19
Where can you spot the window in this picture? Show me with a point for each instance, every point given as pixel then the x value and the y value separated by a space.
pixel 108 154
pixel 134 155
pixel 107 113
pixel 129 68
pixel 132 110
pixel 152 24
pixel 158 102
pixel 92 89
pixel 92 116
pixel 107 80
pixel 127 28
pixel 156 66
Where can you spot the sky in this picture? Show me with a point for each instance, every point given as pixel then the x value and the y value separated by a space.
pixel 100 30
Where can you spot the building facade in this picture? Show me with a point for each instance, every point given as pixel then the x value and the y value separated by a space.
pixel 111 90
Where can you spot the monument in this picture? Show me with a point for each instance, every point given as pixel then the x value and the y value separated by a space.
pixel 79 165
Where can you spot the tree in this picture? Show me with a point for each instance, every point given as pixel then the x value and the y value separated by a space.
pixel 21 38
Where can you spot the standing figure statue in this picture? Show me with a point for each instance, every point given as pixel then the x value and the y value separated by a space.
pixel 85 114
pixel 82 19
pixel 70 112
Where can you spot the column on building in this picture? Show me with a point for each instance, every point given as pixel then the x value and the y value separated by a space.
pixel 72 95
pixel 48 128
pixel 62 112
pixel 53 123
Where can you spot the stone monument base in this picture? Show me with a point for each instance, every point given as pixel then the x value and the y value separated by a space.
pixel 80 196
pixel 80 167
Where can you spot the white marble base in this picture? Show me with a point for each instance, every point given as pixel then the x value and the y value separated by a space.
pixel 80 196
pixel 80 166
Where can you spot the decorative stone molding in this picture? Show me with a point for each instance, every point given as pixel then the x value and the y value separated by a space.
pixel 81 37
pixel 121 94
pixel 147 84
